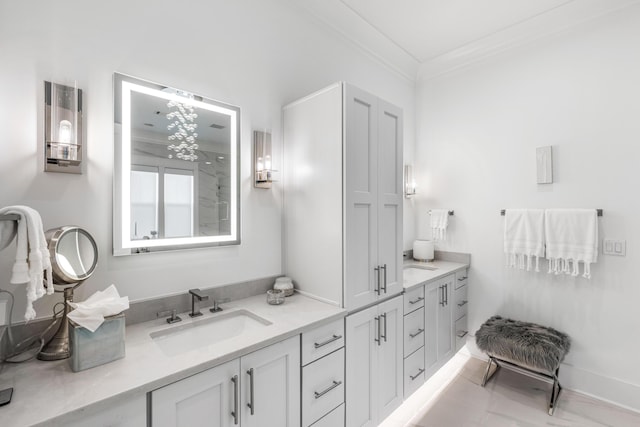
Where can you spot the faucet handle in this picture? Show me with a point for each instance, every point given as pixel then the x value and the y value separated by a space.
pixel 216 305
pixel 174 318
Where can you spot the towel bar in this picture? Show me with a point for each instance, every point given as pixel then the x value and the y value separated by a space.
pixel 450 212
pixel 9 217
pixel 599 211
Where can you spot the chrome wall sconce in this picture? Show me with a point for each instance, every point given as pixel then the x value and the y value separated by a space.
pixel 62 128
pixel 262 160
pixel 409 182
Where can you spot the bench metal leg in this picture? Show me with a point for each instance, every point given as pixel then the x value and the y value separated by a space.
pixel 555 393
pixel 488 374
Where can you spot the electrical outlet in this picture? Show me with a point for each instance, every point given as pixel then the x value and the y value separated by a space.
pixel 614 247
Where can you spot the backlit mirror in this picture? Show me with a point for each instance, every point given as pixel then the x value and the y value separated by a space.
pixel 176 169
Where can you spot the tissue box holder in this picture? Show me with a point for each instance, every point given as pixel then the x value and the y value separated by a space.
pixel 104 345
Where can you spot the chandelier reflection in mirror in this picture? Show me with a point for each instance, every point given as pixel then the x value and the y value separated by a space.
pixel 176 169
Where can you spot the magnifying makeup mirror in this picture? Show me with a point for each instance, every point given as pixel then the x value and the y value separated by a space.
pixel 74 256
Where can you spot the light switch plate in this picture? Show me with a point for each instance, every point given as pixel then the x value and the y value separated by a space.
pixel 614 247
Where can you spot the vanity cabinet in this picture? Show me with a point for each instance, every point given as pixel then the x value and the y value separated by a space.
pixel 374 355
pixel 438 323
pixel 259 389
pixel 343 196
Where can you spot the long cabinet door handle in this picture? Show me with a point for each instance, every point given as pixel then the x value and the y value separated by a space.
pixel 461 334
pixel 417 333
pixel 446 294
pixel 417 300
pixel 234 413
pixel 377 270
pixel 328 341
pixel 384 316
pixel 251 403
pixel 413 377
pixel 463 303
pixel 377 319
pixel 319 394
pixel 441 302
pixel 384 287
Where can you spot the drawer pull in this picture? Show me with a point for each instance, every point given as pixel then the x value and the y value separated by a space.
pixel 463 303
pixel 460 279
pixel 235 412
pixel 417 333
pixel 462 334
pixel 417 300
pixel 413 377
pixel 319 394
pixel 329 341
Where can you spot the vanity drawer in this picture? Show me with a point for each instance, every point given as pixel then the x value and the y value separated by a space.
pixel 322 341
pixel 334 418
pixel 322 386
pixel 462 302
pixel 461 278
pixel 462 332
pixel 413 331
pixel 413 372
pixel 414 299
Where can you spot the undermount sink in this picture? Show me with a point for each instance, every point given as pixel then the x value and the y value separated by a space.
pixel 420 267
pixel 203 332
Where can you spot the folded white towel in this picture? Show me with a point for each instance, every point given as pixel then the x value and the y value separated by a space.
pixel 572 237
pixel 524 237
pixel 32 256
pixel 439 223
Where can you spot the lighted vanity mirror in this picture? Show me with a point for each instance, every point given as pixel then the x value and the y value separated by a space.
pixel 176 177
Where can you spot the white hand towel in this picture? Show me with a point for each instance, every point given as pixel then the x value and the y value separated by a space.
pixel 439 223
pixel 524 237
pixel 572 237
pixel 30 259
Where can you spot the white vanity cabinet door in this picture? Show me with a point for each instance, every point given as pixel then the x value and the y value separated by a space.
pixel 322 387
pixel 270 394
pixel 445 324
pixel 204 399
pixel 322 340
pixel 390 357
pixel 438 324
pixel 413 331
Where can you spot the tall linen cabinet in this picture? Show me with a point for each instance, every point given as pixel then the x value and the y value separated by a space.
pixel 343 214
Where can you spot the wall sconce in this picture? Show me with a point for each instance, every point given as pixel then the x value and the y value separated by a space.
pixel 62 128
pixel 409 182
pixel 262 160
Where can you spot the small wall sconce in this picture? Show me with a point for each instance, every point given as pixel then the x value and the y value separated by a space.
pixel 62 128
pixel 409 182
pixel 262 160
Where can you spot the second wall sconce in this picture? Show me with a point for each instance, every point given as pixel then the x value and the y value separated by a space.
pixel 409 182
pixel 62 128
pixel 262 160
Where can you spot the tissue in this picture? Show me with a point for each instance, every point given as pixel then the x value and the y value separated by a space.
pixel 90 313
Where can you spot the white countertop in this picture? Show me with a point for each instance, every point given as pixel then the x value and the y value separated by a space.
pixel 418 277
pixel 46 392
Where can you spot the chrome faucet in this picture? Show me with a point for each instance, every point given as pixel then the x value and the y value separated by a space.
pixel 216 305
pixel 173 315
pixel 196 296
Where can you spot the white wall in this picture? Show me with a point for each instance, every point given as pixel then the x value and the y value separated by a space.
pixel 258 54
pixel 477 132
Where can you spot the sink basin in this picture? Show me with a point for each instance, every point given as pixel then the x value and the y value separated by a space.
pixel 420 267
pixel 204 332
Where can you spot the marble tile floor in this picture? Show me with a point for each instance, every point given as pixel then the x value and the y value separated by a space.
pixel 453 397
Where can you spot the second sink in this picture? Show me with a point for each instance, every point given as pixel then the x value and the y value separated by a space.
pixel 201 333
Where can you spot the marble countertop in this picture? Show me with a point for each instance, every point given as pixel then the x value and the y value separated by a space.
pixel 47 392
pixel 413 277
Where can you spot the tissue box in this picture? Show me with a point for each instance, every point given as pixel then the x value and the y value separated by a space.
pixel 104 345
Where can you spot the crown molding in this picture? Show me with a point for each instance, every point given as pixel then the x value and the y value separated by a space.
pixel 538 27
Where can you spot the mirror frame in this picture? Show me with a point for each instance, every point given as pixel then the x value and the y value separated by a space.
pixel 123 85
pixel 62 276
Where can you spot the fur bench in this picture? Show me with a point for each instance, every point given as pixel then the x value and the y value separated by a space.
pixel 524 346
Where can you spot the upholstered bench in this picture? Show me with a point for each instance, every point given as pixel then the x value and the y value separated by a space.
pixel 524 346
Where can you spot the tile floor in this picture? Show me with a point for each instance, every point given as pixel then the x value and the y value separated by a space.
pixel 453 397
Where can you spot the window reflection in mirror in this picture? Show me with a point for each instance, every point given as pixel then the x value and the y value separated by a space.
pixel 176 169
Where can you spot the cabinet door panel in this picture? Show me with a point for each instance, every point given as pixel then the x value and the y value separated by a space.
pixel 275 372
pixel 361 378
pixel 432 298
pixel 205 399
pixel 390 357
pixel 361 197
pixel 445 326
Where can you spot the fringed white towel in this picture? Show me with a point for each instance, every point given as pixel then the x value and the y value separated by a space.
pixel 33 264
pixel 524 238
pixel 572 237
pixel 439 223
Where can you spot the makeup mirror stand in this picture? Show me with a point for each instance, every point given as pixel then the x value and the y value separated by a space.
pixel 58 346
